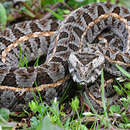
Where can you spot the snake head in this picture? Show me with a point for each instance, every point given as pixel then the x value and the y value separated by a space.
pixel 85 67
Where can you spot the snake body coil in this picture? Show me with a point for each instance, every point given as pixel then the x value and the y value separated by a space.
pixel 75 48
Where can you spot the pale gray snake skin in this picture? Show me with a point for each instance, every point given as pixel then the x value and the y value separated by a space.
pixel 72 49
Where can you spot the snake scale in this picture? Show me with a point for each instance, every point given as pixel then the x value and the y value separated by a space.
pixel 91 38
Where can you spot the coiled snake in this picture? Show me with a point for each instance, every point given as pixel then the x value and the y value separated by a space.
pixel 90 38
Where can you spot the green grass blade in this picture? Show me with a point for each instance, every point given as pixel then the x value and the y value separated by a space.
pixel 23 62
pixel 123 71
pixel 37 62
pixel 103 94
pixel 67 86
pixel 106 120
pixel 55 14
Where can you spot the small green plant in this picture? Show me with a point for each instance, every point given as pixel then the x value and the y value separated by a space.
pixel 120 112
pixel 3 17
pixel 76 123
pixel 43 110
pixel 4 118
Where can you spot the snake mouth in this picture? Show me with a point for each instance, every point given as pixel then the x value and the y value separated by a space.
pixel 83 83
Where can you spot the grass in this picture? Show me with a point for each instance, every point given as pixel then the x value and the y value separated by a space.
pixel 58 116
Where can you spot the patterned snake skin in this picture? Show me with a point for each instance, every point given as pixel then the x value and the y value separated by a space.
pixel 90 38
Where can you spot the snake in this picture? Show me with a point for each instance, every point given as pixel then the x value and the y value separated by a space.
pixel 91 38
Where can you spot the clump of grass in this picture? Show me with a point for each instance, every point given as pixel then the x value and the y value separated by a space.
pixel 23 62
